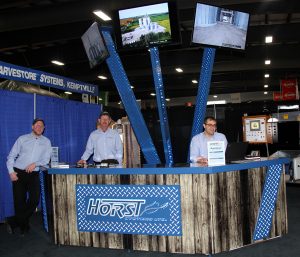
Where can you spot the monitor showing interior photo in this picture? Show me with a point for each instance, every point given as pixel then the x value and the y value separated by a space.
pixel 145 26
pixel 94 45
pixel 218 26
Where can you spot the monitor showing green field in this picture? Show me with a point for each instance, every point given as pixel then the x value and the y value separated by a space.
pixel 145 26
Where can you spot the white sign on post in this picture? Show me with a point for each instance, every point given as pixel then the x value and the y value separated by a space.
pixel 216 153
pixel 54 157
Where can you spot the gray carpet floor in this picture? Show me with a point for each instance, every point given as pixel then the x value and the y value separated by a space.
pixel 38 243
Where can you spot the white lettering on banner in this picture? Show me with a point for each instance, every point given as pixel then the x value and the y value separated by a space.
pixel 52 80
pixel 16 73
pixel 113 207
pixel 76 86
pixel 289 84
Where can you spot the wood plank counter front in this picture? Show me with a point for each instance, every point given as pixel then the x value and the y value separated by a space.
pixel 219 206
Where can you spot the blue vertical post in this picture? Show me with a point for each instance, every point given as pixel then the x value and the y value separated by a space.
pixel 203 90
pixel 161 104
pixel 129 101
pixel 43 200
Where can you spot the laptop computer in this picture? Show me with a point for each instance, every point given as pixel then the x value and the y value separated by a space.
pixel 236 151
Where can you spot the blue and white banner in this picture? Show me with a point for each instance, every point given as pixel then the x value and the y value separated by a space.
pixel 129 209
pixel 14 72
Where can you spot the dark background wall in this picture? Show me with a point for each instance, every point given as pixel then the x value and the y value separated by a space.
pixel 229 118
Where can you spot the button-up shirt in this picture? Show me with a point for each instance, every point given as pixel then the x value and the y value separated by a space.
pixel 198 147
pixel 104 145
pixel 29 149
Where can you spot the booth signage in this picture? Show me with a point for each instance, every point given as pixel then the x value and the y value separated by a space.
pixel 14 72
pixel 129 209
pixel 289 88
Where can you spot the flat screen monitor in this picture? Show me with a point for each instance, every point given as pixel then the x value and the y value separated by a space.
pixel 236 151
pixel 146 26
pixel 221 27
pixel 94 45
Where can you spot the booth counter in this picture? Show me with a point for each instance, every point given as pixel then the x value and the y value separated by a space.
pixel 222 208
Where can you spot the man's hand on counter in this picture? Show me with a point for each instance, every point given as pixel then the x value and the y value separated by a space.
pixel 202 161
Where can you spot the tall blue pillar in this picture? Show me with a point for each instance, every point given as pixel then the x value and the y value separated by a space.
pixel 203 90
pixel 161 104
pixel 129 101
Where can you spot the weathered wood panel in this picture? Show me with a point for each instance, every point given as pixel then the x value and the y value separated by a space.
pixel 54 207
pixel 140 242
pixel 102 236
pixel 162 240
pixel 174 242
pixel 187 209
pixel 153 240
pixel 114 240
pixel 84 237
pixel 95 235
pixel 64 212
pixel 202 213
pixel 71 207
pixel 61 212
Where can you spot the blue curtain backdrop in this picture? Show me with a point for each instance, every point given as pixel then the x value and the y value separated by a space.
pixel 68 125
pixel 16 111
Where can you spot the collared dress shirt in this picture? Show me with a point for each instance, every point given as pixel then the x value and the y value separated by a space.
pixel 198 145
pixel 29 149
pixel 104 145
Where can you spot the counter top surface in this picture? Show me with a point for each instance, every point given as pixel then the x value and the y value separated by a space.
pixel 190 168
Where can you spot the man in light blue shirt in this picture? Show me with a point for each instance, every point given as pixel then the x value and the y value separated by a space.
pixel 28 154
pixel 198 147
pixel 104 143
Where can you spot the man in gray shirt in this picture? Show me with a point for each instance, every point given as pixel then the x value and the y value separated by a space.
pixel 104 143
pixel 28 154
pixel 198 147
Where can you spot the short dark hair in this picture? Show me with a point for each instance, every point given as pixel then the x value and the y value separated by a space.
pixel 209 118
pixel 104 114
pixel 38 119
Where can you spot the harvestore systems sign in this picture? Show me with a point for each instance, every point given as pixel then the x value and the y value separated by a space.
pixel 129 209
pixel 14 72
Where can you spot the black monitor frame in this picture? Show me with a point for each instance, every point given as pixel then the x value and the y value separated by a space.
pixel 223 44
pixel 94 45
pixel 174 26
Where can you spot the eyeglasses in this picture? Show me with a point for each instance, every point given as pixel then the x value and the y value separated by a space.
pixel 38 126
pixel 211 125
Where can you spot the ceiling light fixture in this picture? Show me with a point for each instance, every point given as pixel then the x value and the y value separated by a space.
pixel 102 77
pixel 102 15
pixel 265 93
pixel 266 86
pixel 57 63
pixel 132 87
pixel 216 102
pixel 100 99
pixel 215 96
pixel 168 99
pixel 179 70
pixel 267 62
pixel 267 75
pixel 268 39
pixel 194 81
pixel 153 94
pixel 288 107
